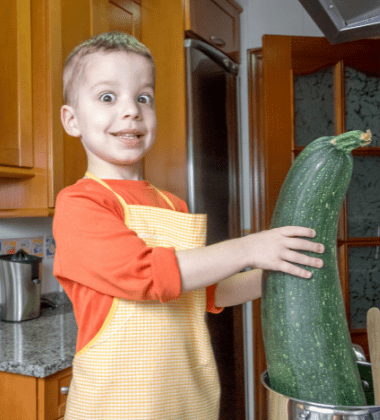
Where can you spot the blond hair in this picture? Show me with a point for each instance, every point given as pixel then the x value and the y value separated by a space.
pixel 106 43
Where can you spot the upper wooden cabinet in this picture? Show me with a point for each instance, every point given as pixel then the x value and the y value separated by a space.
pixel 37 158
pixel 81 20
pixel 165 25
pixel 24 112
pixel 16 140
pixel 216 22
pixel 125 15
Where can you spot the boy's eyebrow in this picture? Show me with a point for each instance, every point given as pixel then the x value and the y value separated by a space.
pixel 113 83
pixel 150 85
pixel 104 82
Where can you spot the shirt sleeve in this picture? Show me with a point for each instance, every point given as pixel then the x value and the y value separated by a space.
pixel 97 250
pixel 210 293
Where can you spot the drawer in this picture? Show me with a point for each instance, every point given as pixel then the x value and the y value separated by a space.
pixel 216 22
pixel 51 400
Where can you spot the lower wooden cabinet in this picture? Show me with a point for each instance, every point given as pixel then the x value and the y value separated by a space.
pixel 29 398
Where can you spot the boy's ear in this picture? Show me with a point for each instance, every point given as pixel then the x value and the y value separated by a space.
pixel 69 121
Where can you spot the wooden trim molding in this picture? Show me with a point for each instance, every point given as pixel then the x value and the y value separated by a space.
pixel 256 135
pixel 271 143
pixel 258 195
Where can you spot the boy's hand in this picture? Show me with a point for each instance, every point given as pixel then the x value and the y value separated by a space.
pixel 274 249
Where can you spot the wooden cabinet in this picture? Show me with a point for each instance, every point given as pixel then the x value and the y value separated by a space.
pixel 33 398
pixel 51 400
pixel 216 22
pixel 125 16
pixel 28 189
pixel 81 20
pixel 16 144
pixel 37 159
pixel 166 163
pixel 23 144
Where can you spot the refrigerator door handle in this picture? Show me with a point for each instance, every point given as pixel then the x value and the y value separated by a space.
pixel 214 54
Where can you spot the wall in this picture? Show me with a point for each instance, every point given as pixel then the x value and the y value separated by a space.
pixel 260 17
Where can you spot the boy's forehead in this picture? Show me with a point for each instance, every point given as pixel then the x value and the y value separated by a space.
pixel 115 63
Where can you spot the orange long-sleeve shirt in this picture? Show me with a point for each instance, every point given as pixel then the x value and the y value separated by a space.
pixel 99 258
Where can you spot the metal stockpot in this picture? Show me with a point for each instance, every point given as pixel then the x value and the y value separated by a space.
pixel 281 407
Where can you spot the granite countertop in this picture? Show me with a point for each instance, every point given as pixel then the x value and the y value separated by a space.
pixel 42 346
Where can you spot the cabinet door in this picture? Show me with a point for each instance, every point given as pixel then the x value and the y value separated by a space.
pixel 303 88
pixel 18 396
pixel 81 20
pixel 16 142
pixel 125 16
pixel 24 187
pixel 215 21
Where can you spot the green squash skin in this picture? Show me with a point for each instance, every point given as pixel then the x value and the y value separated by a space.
pixel 306 337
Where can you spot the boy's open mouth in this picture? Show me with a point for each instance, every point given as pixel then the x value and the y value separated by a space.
pixel 128 134
pixel 130 138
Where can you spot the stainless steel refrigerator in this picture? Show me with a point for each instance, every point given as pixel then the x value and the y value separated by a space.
pixel 212 138
pixel 213 187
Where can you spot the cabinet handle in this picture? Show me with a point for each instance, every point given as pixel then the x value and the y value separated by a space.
pixel 217 41
pixel 65 390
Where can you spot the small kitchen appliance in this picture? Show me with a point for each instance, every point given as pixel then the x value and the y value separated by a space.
pixel 20 282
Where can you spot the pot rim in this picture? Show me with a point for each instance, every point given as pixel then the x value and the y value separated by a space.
pixel 324 408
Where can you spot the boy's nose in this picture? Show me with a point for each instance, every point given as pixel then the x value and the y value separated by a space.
pixel 131 110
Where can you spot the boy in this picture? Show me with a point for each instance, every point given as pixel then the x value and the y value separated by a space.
pixel 132 259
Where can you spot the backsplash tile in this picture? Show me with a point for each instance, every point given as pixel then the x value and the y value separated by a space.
pixel 49 247
pixel 33 246
pixel 9 246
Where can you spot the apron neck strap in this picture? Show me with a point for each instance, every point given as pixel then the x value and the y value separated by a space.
pixel 95 178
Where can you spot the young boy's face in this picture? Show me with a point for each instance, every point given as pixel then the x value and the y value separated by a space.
pixel 114 111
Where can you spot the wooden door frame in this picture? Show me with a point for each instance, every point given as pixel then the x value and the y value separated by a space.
pixel 257 199
pixel 267 121
pixel 270 75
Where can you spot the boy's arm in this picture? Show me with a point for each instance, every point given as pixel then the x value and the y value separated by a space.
pixel 240 288
pixel 269 250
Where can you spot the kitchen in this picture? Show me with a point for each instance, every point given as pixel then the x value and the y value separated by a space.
pixel 258 18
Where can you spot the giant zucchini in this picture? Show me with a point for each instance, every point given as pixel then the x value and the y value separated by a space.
pixel 306 338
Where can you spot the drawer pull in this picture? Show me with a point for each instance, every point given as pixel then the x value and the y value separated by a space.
pixel 217 41
pixel 65 390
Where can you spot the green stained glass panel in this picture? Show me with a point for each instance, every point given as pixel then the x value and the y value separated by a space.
pixel 362 103
pixel 364 283
pixel 363 198
pixel 314 106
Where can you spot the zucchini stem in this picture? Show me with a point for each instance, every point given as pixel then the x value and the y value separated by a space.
pixel 349 141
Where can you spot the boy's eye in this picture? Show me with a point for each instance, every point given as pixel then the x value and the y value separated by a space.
pixel 145 99
pixel 108 97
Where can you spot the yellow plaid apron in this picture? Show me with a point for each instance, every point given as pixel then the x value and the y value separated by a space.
pixel 150 360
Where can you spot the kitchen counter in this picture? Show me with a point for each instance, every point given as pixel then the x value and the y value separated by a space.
pixel 42 346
